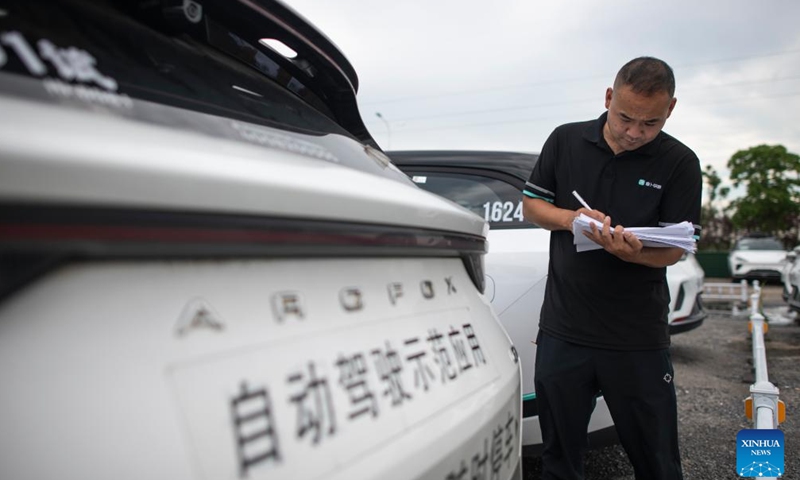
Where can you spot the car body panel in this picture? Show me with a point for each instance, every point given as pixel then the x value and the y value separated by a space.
pixel 522 273
pixel 202 174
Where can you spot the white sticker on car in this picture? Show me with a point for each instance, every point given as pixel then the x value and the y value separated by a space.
pixel 265 411
pixel 70 63
pixel 76 72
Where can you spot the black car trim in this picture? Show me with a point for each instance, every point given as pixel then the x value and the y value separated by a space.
pixel 37 238
pixel 253 19
pixel 320 77
pixel 516 164
pixel 512 180
pixel 313 39
pixel 530 408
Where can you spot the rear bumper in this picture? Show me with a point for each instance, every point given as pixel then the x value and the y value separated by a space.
pixel 694 320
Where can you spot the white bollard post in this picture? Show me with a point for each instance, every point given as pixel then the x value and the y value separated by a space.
pixel 743 283
pixel 743 293
pixel 763 392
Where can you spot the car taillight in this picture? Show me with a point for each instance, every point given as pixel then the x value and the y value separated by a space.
pixel 35 239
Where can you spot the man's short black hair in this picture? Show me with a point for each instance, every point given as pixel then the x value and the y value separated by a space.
pixel 647 76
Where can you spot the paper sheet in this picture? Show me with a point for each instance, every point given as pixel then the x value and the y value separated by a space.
pixel 679 235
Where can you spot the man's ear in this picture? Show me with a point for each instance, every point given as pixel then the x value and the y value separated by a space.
pixel 671 106
pixel 609 92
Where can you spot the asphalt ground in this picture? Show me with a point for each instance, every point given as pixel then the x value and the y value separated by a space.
pixel 713 375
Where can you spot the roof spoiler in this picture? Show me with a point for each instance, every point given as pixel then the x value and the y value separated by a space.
pixel 319 63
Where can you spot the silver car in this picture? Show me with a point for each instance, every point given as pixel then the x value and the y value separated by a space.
pixel 209 270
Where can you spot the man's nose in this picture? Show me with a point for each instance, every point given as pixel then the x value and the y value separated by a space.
pixel 635 132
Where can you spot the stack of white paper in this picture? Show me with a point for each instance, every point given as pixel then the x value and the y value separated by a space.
pixel 678 235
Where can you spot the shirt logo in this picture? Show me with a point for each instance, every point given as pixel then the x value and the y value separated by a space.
pixel 645 183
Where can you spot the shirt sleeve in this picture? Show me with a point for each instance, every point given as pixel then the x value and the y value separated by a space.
pixel 682 201
pixel 542 182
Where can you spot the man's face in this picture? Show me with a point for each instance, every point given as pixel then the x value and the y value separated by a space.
pixel 634 119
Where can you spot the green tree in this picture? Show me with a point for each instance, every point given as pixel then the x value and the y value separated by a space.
pixel 717 226
pixel 772 200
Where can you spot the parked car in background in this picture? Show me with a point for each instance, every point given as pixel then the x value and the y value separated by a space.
pixel 791 279
pixel 490 184
pixel 685 279
pixel 198 274
pixel 757 257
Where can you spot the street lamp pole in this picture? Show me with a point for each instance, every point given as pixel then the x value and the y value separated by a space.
pixel 388 130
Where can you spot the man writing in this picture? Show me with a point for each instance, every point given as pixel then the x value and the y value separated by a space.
pixel 603 325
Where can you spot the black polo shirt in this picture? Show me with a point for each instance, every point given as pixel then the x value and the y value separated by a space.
pixel 593 298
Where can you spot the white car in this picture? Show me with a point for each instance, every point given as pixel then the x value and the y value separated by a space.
pixel 685 280
pixel 791 279
pixel 490 184
pixel 757 257
pixel 198 276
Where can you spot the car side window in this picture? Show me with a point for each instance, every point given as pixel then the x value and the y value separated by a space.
pixel 498 202
pixel 759 244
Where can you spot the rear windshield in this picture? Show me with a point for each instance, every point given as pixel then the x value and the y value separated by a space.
pixel 759 244
pixel 498 202
pixel 97 55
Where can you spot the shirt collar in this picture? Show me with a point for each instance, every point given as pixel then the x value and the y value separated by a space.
pixel 594 134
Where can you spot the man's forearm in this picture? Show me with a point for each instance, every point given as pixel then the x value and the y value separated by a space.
pixel 657 257
pixel 546 215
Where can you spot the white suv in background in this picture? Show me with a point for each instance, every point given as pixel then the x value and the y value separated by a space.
pixel 757 257
pixel 198 275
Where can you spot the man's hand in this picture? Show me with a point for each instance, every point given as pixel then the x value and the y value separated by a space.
pixel 616 241
pixel 596 214
pixel 550 217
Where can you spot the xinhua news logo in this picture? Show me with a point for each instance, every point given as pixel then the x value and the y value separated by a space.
pixel 759 453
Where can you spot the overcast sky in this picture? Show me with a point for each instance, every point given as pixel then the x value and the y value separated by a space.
pixel 465 74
